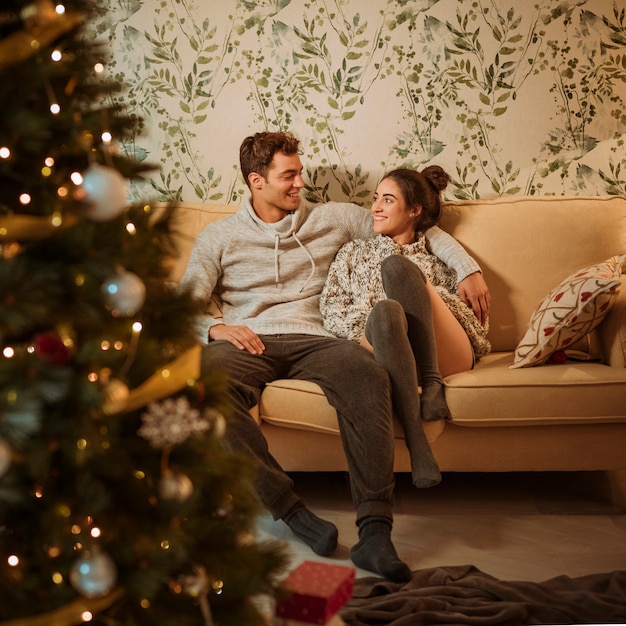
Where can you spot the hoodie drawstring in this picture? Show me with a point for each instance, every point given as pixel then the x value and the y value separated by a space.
pixel 311 260
pixel 276 277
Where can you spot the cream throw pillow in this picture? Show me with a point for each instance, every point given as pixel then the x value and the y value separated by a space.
pixel 569 312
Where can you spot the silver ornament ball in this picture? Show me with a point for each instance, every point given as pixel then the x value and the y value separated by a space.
pixel 124 294
pixel 105 192
pixel 93 574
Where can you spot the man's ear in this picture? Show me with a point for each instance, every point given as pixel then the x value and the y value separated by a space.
pixel 255 179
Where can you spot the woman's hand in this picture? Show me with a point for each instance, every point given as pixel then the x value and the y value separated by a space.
pixel 474 292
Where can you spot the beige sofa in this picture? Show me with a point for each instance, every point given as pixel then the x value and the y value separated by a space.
pixel 563 417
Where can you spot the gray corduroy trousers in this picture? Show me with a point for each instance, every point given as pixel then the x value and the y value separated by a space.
pixel 354 384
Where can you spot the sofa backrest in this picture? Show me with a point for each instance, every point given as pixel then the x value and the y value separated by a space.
pixel 525 246
pixel 190 220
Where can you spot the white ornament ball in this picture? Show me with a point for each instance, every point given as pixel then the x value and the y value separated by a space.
pixel 93 574
pixel 105 192
pixel 124 294
pixel 5 456
pixel 175 486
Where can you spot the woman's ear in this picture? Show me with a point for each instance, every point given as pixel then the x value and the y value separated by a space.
pixel 416 210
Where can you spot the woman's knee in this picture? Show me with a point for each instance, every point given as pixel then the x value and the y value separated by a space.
pixel 401 278
pixel 385 320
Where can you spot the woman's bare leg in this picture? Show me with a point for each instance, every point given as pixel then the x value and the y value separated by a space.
pixel 454 350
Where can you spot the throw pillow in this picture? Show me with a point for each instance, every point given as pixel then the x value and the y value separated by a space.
pixel 570 311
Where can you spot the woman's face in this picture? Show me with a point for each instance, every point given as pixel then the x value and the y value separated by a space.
pixel 391 215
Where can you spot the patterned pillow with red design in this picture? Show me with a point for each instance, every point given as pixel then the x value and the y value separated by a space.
pixel 570 311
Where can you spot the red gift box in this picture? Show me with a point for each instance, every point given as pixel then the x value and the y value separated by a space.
pixel 315 592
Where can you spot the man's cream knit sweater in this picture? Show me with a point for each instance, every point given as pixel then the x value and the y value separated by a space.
pixel 269 277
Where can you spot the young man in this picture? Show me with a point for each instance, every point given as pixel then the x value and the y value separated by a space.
pixel 268 264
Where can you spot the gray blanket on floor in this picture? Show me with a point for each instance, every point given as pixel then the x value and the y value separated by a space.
pixel 465 595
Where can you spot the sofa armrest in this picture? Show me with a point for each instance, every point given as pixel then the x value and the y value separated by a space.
pixel 612 330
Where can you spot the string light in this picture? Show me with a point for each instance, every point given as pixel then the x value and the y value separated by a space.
pixel 56 55
pixel 25 198
pixel 5 153
pixel 132 349
pixel 60 9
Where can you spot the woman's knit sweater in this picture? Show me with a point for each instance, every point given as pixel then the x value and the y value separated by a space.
pixel 269 277
pixel 354 285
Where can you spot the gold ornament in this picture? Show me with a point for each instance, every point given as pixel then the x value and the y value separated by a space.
pixel 38 14
pixel 20 45
pixel 6 454
pixel 28 227
pixel 167 380
pixel 70 614
pixel 115 397
pixel 175 486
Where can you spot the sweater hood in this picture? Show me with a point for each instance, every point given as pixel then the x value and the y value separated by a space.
pixel 282 231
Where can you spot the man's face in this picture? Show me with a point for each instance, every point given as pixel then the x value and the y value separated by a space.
pixel 280 193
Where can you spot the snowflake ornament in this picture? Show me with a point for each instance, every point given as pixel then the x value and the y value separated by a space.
pixel 170 422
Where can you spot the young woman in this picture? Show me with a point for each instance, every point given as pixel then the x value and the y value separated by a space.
pixel 398 300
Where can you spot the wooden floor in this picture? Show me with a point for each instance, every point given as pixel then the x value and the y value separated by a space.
pixel 529 527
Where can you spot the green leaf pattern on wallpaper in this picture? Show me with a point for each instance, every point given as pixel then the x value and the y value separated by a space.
pixel 510 98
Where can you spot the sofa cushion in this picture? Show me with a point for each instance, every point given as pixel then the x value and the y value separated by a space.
pixel 493 394
pixel 302 404
pixel 527 245
pixel 569 312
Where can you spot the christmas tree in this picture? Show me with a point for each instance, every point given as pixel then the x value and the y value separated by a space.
pixel 119 502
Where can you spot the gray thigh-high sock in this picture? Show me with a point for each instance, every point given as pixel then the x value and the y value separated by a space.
pixel 404 282
pixel 386 330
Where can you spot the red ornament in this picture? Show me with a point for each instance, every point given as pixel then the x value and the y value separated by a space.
pixel 49 347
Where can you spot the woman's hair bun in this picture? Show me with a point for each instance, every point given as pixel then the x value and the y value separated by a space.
pixel 437 177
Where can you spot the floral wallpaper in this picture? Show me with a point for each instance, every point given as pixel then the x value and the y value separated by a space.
pixel 509 97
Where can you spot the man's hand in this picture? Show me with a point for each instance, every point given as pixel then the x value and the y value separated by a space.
pixel 475 293
pixel 240 336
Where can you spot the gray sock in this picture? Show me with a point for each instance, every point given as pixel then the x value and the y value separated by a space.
pixel 320 535
pixel 376 553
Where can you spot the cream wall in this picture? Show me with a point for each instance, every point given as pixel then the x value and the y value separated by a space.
pixel 510 97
